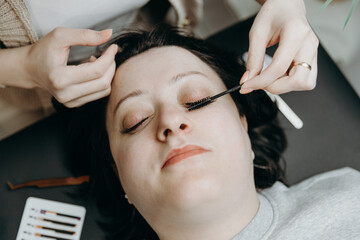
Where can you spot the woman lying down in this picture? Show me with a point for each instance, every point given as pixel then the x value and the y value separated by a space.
pixel 160 171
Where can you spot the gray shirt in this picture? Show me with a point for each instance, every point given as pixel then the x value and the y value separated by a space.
pixel 326 206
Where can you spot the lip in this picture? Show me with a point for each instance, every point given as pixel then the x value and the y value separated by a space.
pixel 179 154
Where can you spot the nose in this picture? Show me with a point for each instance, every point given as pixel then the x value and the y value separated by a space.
pixel 172 122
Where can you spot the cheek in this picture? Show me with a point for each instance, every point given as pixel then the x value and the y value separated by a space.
pixel 234 149
pixel 230 134
pixel 132 158
pixel 227 124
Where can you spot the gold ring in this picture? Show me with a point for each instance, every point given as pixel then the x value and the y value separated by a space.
pixel 303 64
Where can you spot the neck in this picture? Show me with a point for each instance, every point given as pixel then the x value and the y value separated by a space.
pixel 223 221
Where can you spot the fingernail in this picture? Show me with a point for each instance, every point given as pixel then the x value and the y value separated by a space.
pixel 244 78
pixel 111 49
pixel 92 58
pixel 106 33
pixel 246 90
pixel 116 47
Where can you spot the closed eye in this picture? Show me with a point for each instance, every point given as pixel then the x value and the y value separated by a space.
pixel 189 104
pixel 128 130
pixel 198 104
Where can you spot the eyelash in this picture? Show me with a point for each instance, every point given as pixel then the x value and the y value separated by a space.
pixel 187 105
pixel 190 104
pixel 129 130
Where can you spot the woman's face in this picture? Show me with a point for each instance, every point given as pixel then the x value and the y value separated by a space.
pixel 171 160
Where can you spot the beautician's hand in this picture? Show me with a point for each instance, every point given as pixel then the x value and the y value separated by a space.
pixel 71 85
pixel 283 22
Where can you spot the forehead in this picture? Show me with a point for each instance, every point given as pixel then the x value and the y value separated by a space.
pixel 156 66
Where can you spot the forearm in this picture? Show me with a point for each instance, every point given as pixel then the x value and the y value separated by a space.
pixel 13 70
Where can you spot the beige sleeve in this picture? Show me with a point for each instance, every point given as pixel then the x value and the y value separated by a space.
pixel 27 99
pixel 20 108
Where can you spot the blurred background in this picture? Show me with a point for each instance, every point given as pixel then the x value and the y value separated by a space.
pixel 343 45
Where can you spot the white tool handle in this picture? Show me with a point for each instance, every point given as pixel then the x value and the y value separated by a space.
pixel 280 103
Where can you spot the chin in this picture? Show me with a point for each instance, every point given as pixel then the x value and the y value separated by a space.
pixel 194 191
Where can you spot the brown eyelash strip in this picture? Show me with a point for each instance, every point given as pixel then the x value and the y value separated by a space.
pixel 208 100
pixel 51 182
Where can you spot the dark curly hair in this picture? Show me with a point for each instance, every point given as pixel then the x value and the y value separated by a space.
pixel 92 155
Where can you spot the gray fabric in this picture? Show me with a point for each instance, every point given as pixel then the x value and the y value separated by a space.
pixel 326 206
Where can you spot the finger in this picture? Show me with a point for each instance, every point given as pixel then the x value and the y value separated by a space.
pixel 244 77
pixel 306 53
pixel 92 59
pixel 92 70
pixel 89 98
pixel 86 88
pixel 299 79
pixel 258 40
pixel 288 46
pixel 85 37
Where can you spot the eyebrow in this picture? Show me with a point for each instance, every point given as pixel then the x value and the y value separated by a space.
pixel 173 80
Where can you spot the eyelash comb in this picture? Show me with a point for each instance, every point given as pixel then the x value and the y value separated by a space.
pixel 208 100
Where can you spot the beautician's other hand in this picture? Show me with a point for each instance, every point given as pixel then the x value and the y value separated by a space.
pixel 283 22
pixel 72 85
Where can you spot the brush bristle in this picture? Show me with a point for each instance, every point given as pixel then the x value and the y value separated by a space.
pixel 198 104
